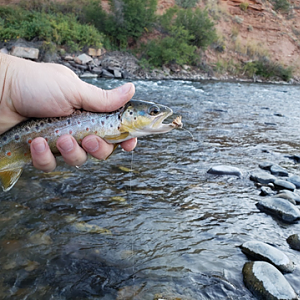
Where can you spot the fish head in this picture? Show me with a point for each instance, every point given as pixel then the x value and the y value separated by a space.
pixel 142 118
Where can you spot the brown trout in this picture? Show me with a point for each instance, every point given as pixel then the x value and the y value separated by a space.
pixel 137 118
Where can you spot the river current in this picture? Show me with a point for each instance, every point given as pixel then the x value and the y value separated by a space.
pixel 166 229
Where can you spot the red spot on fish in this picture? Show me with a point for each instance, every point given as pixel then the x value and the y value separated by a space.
pixel 8 153
pixel 29 141
pixel 80 140
pixel 57 131
pixel 25 154
pixel 70 131
pixel 87 129
pixel 46 139
pixel 96 132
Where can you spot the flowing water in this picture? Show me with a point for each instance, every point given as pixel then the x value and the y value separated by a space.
pixel 167 229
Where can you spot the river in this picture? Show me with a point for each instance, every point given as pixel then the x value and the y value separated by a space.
pixel 167 229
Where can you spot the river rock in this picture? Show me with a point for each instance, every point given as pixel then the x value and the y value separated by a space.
pixel 94 52
pixel 117 74
pixel 107 74
pixel 294 241
pixel 266 165
pixel 25 52
pixel 225 170
pixel 266 282
pixel 97 70
pixel 295 179
pixel 289 195
pixel 281 208
pixel 4 50
pixel 284 185
pixel 279 171
pixel 266 191
pixel 78 66
pixel 294 157
pixel 83 59
pixel 262 177
pixel 262 251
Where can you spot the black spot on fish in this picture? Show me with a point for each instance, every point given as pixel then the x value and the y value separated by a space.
pixel 106 117
pixel 111 125
pixel 119 117
pixel 17 137
pixel 102 122
pixel 134 118
pixel 27 129
pixel 131 113
pixel 69 121
pixel 4 138
pixel 37 127
pixel 42 124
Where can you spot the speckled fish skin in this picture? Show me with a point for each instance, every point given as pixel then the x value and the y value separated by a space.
pixel 137 118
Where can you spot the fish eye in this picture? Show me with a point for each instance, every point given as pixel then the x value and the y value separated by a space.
pixel 154 110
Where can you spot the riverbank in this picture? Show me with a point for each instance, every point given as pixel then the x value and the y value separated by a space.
pixel 97 63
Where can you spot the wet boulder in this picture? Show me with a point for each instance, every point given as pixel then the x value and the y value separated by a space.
pixel 266 282
pixel 284 185
pixel 225 170
pixel 290 196
pixel 266 165
pixel 279 171
pixel 262 251
pixel 281 208
pixel 295 179
pixel 267 191
pixel 294 241
pixel 294 157
pixel 25 52
pixel 262 177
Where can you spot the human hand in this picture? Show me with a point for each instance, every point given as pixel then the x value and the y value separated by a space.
pixel 30 89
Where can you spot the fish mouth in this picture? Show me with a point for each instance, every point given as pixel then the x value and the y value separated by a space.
pixel 157 125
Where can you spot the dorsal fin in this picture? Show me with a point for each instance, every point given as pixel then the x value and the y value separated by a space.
pixel 8 178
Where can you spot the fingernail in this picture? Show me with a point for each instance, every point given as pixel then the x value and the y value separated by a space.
pixel 66 144
pixel 39 146
pixel 91 144
pixel 124 89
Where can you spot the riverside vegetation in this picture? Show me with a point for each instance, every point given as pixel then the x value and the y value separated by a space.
pixel 181 34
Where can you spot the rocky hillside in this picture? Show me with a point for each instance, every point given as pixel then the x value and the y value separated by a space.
pixel 247 30
pixel 251 28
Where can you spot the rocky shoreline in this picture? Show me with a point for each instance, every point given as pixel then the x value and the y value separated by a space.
pixel 97 63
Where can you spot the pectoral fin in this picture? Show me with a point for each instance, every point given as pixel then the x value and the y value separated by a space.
pixel 8 178
pixel 115 147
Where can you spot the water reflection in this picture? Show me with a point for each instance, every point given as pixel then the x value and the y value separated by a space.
pixel 167 228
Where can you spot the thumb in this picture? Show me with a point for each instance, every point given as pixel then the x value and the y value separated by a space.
pixel 99 100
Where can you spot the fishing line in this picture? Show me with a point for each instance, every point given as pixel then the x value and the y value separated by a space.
pixel 189 133
pixel 130 214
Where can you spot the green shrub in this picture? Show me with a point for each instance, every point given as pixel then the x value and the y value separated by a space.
pixel 128 19
pixel 244 6
pixel 282 5
pixel 186 3
pixel 57 28
pixel 198 23
pixel 268 69
pixel 171 49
